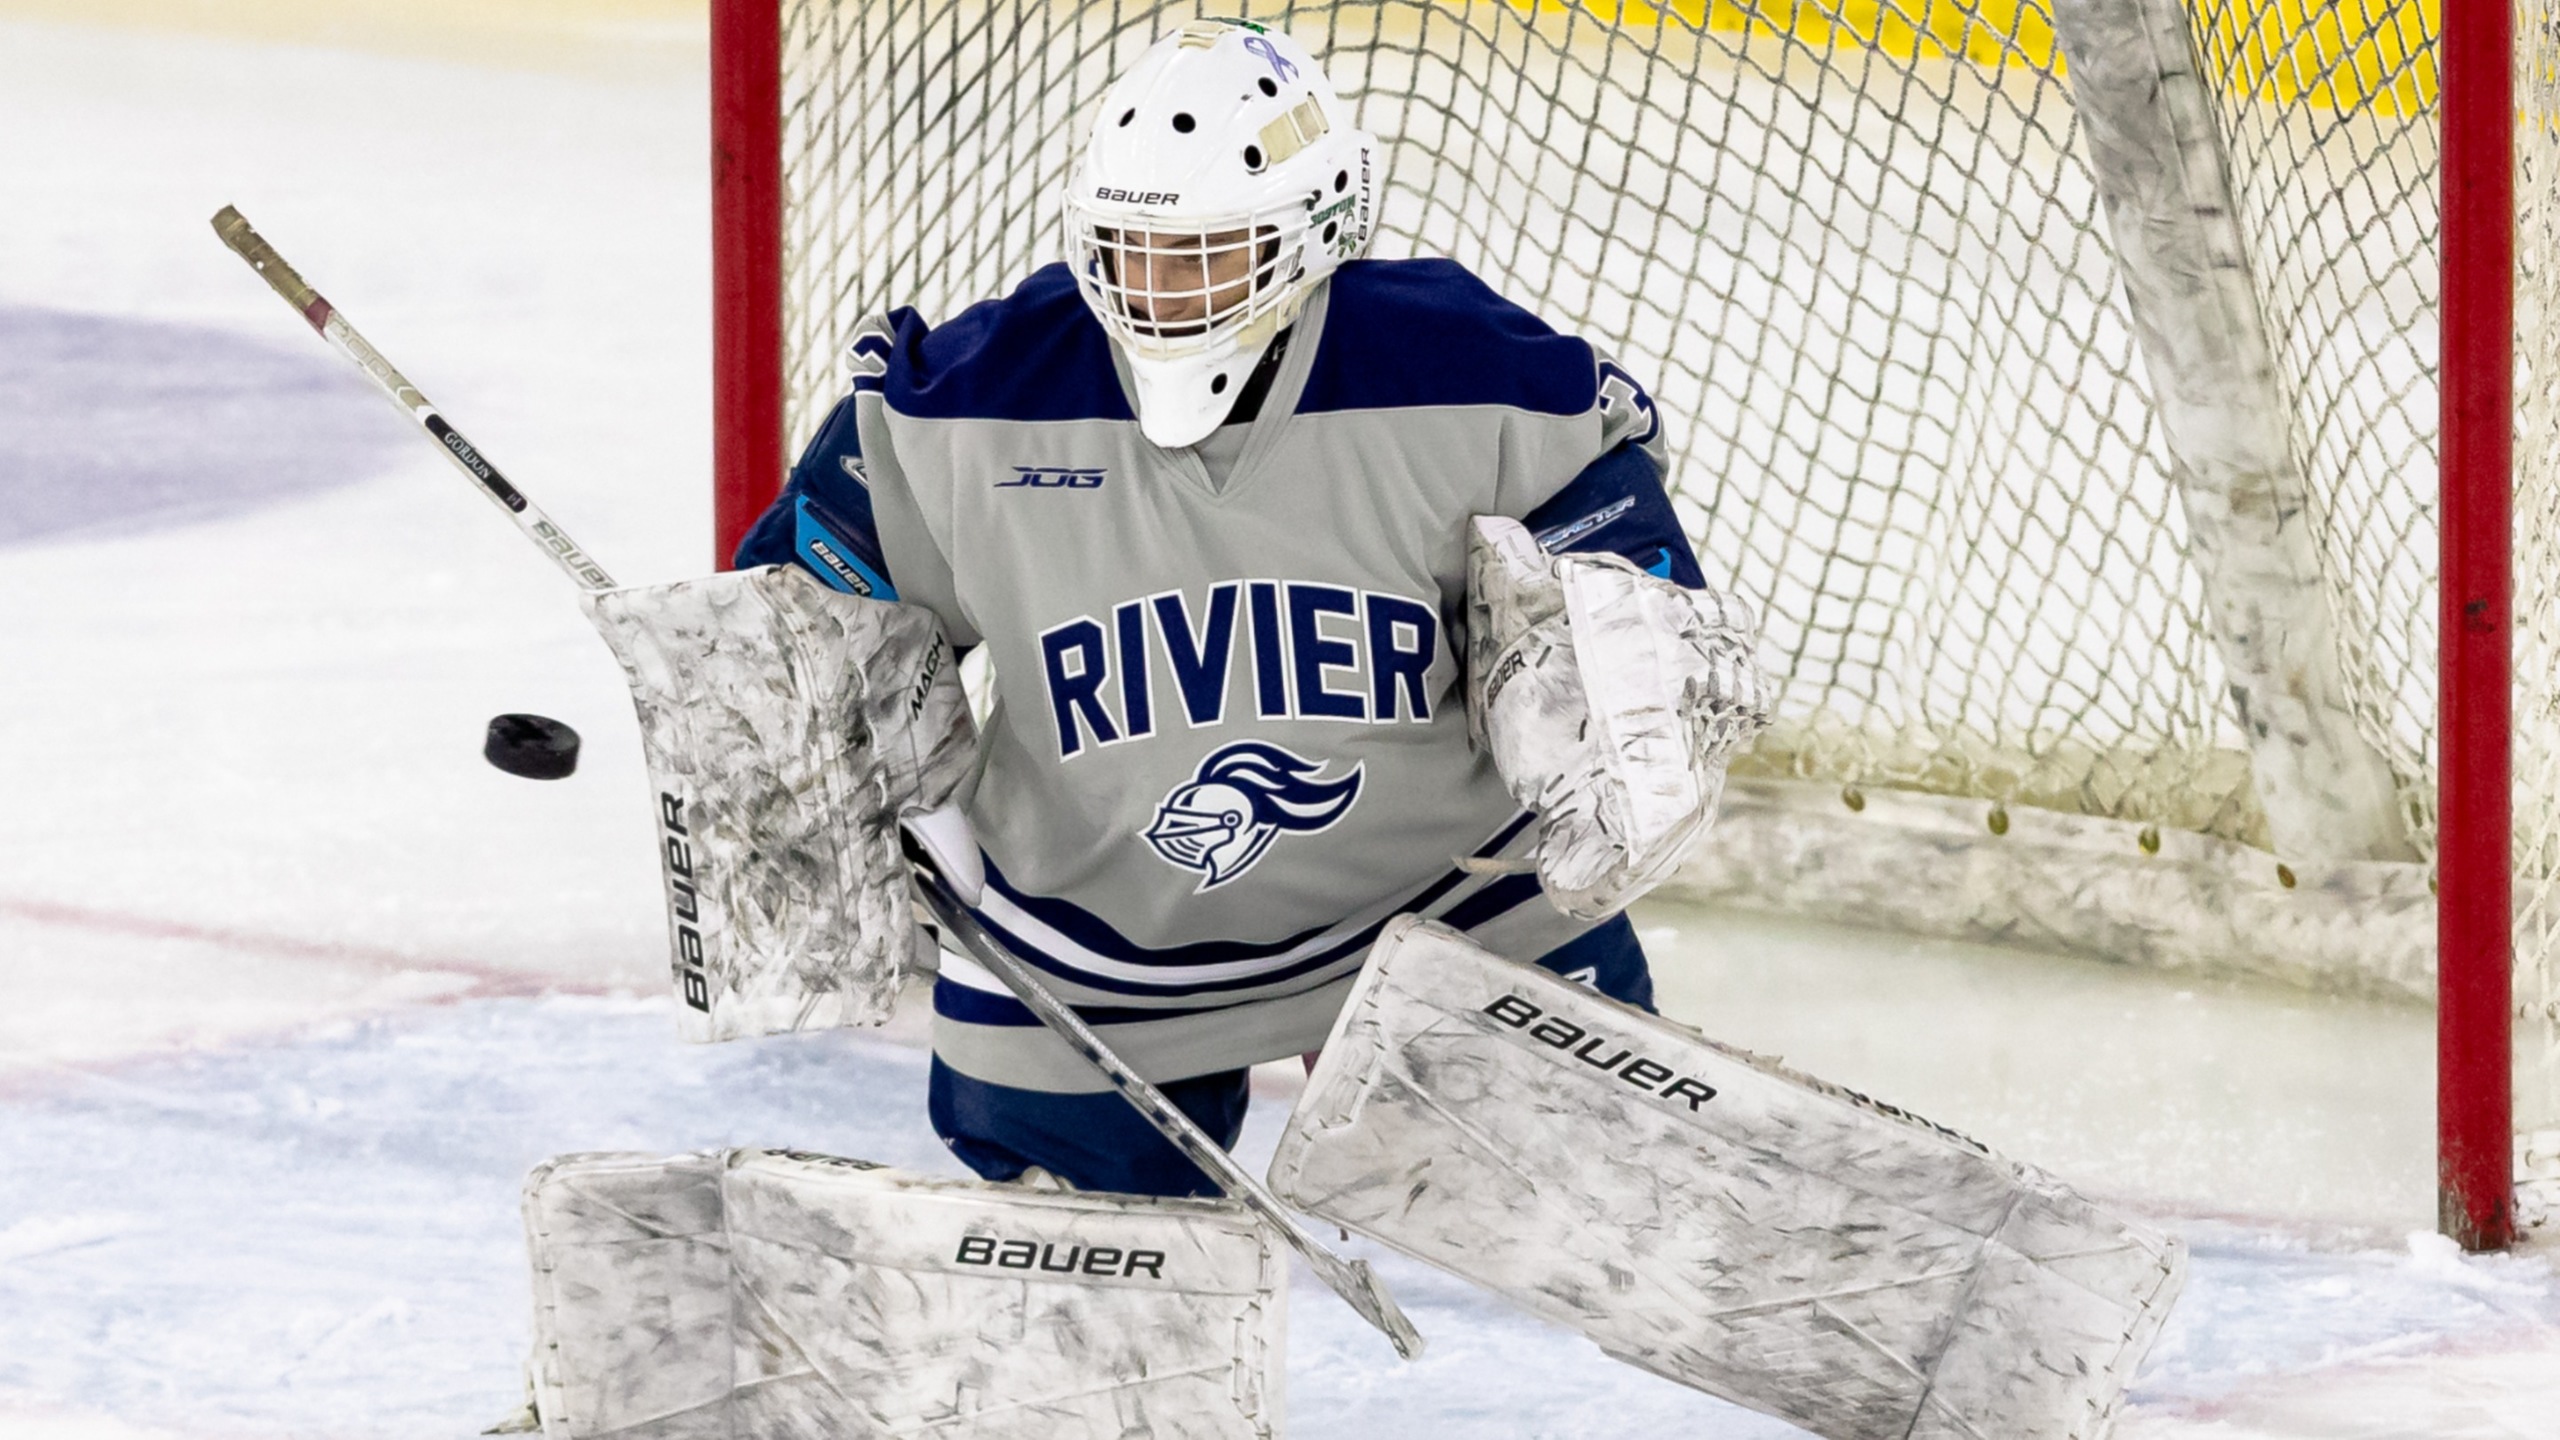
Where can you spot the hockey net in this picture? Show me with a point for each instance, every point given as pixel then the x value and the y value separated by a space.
pixel 1859 252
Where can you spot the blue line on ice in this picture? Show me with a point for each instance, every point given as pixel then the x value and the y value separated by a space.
pixel 320 1237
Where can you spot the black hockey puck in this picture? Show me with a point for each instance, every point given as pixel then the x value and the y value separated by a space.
pixel 536 747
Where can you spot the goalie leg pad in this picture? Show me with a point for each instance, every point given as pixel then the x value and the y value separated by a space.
pixel 1714 1218
pixel 786 728
pixel 630 1297
pixel 767 1295
pixel 874 1303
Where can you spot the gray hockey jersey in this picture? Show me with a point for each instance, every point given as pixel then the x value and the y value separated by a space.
pixel 1229 738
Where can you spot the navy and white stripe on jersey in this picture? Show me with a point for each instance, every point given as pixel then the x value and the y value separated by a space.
pixel 982 1033
pixel 1074 944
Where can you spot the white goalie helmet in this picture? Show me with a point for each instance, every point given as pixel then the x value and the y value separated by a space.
pixel 1223 180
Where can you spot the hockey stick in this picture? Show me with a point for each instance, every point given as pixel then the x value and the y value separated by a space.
pixel 322 316
pixel 1353 1280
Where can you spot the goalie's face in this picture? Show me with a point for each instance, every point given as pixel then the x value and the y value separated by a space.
pixel 1170 283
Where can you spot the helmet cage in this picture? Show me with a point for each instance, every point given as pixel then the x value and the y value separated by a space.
pixel 1173 289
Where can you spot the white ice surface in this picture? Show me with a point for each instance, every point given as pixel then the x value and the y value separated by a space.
pixel 318 1237
pixel 276 939
pixel 265 729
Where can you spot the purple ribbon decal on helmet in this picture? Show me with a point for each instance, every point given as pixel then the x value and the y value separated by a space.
pixel 1280 64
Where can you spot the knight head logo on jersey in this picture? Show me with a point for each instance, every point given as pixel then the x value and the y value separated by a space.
pixel 1240 799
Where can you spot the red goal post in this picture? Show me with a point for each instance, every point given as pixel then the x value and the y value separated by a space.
pixel 1872 442
pixel 747 457
pixel 2475 904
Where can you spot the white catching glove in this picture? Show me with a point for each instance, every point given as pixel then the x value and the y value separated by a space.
pixel 1611 701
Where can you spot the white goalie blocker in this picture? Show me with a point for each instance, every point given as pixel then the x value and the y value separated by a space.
pixel 766 1295
pixel 1714 1218
pixel 786 726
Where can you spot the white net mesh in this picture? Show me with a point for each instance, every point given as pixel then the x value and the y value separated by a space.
pixel 1866 277
pixel 1857 252
pixel 2328 118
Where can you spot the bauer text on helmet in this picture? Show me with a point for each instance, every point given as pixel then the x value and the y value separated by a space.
pixel 1223 181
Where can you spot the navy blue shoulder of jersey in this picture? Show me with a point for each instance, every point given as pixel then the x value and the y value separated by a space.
pixel 1617 505
pixel 1036 354
pixel 822 520
pixel 1403 333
